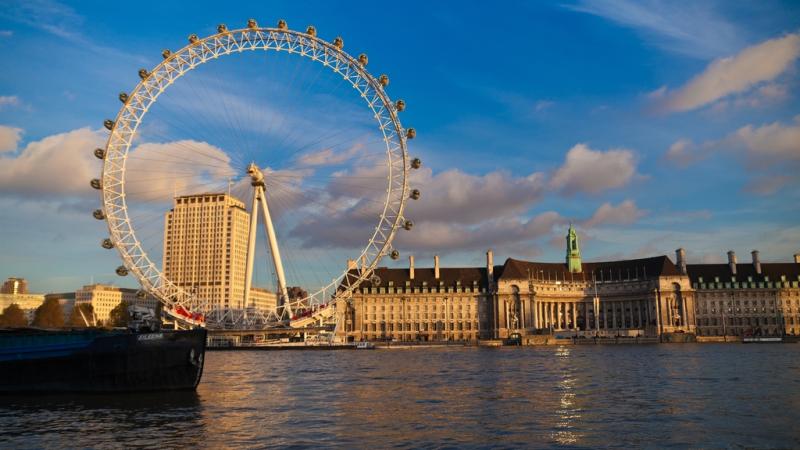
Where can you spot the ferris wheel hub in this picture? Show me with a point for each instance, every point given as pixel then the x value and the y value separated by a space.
pixel 256 176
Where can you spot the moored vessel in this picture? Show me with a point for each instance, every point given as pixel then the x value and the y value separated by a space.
pixel 100 360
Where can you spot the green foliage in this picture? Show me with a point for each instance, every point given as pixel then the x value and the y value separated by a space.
pixel 49 315
pixel 13 317
pixel 118 317
pixel 76 320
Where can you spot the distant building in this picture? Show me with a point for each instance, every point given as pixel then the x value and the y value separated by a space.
pixel 105 298
pixel 14 286
pixel 26 302
pixel 263 299
pixel 205 248
pixel 754 298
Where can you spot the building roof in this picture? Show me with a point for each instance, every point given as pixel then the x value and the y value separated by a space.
pixel 623 270
pixel 772 270
pixel 607 270
pixel 449 276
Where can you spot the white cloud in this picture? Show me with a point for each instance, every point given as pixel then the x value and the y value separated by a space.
pixel 593 171
pixel 9 138
pixel 6 33
pixel 625 213
pixel 773 143
pixel 456 212
pixel 158 171
pixel 330 157
pixel 736 74
pixel 688 28
pixel 8 100
pixel 770 153
pixel 61 164
pixel 457 196
pixel 504 234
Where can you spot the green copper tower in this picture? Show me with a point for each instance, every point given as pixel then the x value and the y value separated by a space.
pixel 573 251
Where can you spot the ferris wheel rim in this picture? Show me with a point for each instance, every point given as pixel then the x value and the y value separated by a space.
pixel 133 111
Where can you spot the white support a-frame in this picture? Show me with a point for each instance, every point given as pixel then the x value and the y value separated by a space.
pixel 260 197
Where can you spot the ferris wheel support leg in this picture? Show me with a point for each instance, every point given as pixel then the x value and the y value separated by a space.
pixel 283 299
pixel 251 249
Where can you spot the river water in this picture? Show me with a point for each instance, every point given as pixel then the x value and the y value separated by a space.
pixel 679 395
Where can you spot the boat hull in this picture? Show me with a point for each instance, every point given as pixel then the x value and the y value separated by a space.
pixel 100 361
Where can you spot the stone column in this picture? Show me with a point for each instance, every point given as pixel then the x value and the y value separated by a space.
pixel 596 311
pixel 574 316
pixel 684 317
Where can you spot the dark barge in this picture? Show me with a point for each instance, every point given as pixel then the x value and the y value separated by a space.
pixel 100 360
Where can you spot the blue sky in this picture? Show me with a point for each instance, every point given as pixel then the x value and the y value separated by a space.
pixel 650 125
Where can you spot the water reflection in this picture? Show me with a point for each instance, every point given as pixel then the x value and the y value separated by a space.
pixel 584 397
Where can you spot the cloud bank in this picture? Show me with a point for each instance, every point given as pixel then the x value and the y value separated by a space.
pixel 770 153
pixel 741 73
pixel 592 171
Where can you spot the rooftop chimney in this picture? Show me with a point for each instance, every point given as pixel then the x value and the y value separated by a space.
pixel 351 264
pixel 680 260
pixel 410 267
pixel 436 266
pixel 756 261
pixel 489 263
pixel 797 258
pixel 732 261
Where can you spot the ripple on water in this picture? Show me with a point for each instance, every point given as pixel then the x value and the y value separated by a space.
pixel 572 397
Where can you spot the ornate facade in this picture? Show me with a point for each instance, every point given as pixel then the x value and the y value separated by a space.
pixel 420 304
pixel 747 299
pixel 637 297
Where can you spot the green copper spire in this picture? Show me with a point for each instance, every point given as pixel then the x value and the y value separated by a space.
pixel 573 251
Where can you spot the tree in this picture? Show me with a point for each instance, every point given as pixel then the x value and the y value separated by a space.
pixel 76 319
pixel 296 292
pixel 13 317
pixel 119 316
pixel 49 314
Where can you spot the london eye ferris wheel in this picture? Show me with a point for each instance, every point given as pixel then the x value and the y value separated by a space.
pixel 278 123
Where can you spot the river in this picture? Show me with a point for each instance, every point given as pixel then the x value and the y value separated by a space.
pixel 679 395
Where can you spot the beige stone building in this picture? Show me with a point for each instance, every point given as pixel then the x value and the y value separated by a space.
pixel 754 298
pixel 263 299
pixel 639 297
pixel 205 251
pixel 420 304
pixel 205 248
pixel 104 298
pixel 27 302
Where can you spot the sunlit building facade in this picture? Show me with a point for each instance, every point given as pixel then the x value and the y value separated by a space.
pixel 420 304
pixel 735 299
pixel 645 297
pixel 104 298
pixel 205 248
